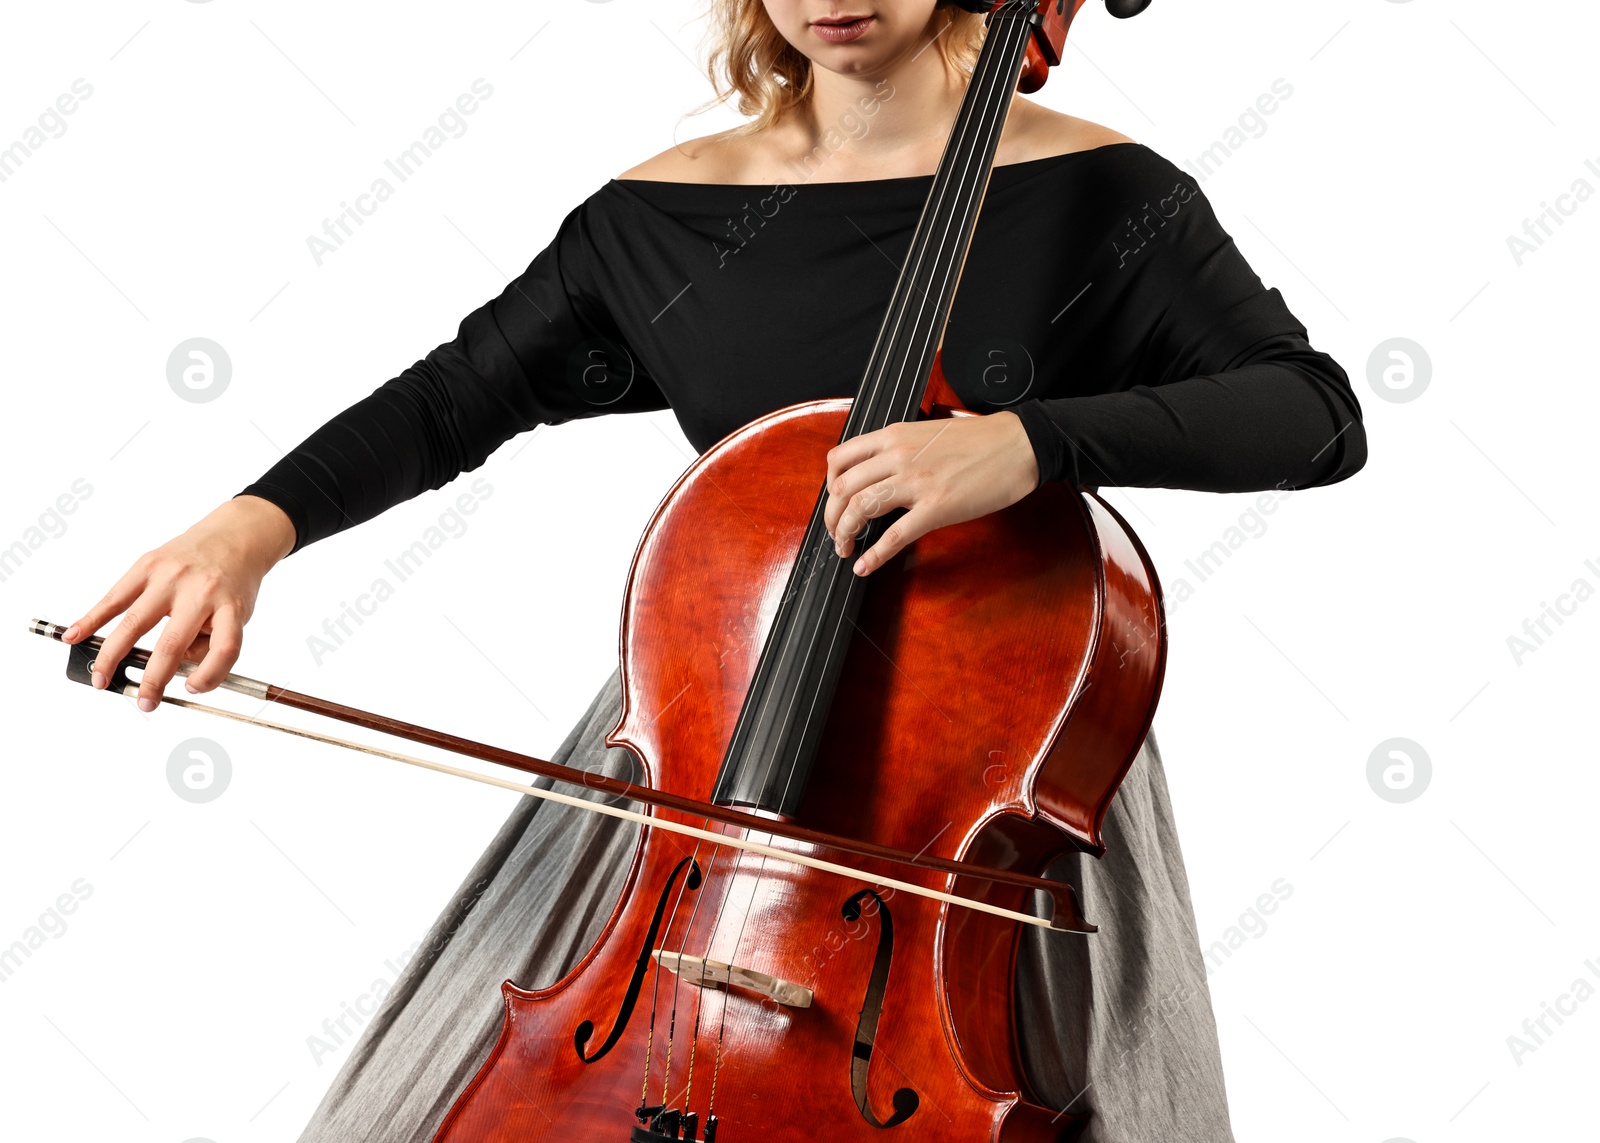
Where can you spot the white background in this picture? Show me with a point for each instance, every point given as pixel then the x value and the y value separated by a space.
pixel 1377 1001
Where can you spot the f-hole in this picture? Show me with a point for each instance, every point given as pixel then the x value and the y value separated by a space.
pixel 581 1035
pixel 905 1100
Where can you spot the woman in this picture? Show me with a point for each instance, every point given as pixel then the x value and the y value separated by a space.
pixel 1107 328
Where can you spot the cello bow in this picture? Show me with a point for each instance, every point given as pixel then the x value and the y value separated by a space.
pixel 1065 916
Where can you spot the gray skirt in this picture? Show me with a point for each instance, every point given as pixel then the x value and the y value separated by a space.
pixel 1118 1023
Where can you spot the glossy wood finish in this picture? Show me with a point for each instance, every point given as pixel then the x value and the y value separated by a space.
pixel 1091 756
pixel 1044 51
pixel 987 666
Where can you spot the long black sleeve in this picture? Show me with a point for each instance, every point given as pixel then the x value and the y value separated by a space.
pixel 545 351
pixel 1223 394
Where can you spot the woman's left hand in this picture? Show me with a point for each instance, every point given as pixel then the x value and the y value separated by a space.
pixel 942 472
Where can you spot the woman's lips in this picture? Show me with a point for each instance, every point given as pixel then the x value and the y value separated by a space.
pixel 844 32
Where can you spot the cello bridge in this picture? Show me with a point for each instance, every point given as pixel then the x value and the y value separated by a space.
pixel 702 973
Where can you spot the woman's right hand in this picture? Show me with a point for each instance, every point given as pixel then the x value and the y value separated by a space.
pixel 206 580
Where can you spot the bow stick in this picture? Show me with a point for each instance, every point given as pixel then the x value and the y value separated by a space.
pixel 1066 915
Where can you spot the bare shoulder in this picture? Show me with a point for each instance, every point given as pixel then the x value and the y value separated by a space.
pixel 709 159
pixel 1035 132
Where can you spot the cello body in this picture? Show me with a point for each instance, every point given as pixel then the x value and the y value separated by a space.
pixel 1000 683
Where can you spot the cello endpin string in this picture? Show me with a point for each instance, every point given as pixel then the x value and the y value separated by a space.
pixel 700 999
pixel 655 994
pixel 694 1039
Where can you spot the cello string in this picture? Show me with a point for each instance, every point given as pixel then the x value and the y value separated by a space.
pixel 700 996
pixel 677 976
pixel 994 87
pixel 883 355
pixel 970 208
pixel 999 82
pixel 971 141
pixel 727 997
pixel 655 982
pixel 812 711
pixel 993 81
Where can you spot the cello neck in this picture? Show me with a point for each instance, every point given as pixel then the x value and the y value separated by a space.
pixel 913 326
pixel 785 710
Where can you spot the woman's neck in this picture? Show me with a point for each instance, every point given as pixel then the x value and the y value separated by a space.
pixel 872 126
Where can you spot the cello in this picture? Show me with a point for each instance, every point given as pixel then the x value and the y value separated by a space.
pixel 980 697
pixel 970 710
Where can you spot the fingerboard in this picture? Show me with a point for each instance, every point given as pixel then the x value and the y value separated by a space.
pixel 785 710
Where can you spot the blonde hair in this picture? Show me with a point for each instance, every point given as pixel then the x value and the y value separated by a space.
pixel 751 61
